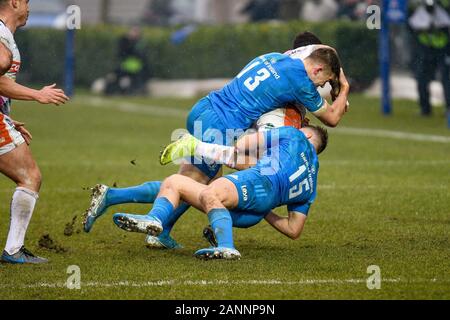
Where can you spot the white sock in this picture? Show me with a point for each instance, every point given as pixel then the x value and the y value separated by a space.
pixel 216 153
pixel 22 206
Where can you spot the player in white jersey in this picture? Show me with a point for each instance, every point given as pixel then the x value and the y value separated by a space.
pixel 16 160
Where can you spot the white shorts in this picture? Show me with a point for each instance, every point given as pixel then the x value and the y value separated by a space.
pixel 10 138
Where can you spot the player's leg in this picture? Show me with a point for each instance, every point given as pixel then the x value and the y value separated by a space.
pixel 17 163
pixel 173 190
pixel 215 200
pixel 240 156
pixel 241 219
pixel 205 125
pixel 245 191
pixel 164 240
pixel 104 197
pixel 425 72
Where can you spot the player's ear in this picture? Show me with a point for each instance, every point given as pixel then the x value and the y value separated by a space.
pixel 318 69
pixel 307 133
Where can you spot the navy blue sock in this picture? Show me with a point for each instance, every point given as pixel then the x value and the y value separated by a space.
pixel 144 193
pixel 222 225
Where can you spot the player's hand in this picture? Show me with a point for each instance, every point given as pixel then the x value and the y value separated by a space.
pixel 343 82
pixel 335 89
pixel 52 95
pixel 20 127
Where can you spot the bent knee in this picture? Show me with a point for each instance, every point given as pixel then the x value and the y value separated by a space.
pixel 170 181
pixel 208 198
pixel 31 179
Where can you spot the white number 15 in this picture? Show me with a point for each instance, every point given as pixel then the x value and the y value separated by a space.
pixel 297 189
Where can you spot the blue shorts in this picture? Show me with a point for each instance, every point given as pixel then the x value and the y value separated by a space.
pixel 204 123
pixel 244 219
pixel 255 191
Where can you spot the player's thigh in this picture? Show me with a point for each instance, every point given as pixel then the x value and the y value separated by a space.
pixel 225 191
pixel 187 188
pixel 20 166
pixel 191 171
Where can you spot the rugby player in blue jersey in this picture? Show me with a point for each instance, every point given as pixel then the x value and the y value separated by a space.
pixel 286 174
pixel 266 83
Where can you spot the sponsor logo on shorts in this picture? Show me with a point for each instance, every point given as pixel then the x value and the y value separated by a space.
pixel 244 192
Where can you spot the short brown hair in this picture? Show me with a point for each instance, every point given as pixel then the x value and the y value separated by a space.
pixel 329 57
pixel 322 135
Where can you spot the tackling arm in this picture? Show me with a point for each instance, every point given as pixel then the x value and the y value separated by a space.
pixel 330 115
pixel 291 226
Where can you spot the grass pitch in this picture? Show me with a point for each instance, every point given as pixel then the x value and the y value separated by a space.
pixel 383 199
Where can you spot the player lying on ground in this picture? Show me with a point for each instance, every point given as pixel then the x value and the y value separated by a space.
pixel 16 160
pixel 285 175
pixel 104 197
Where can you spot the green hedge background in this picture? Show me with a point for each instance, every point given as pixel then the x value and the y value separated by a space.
pixel 211 51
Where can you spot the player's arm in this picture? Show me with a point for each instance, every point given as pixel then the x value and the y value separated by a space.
pixel 47 95
pixel 5 59
pixel 291 226
pixel 330 115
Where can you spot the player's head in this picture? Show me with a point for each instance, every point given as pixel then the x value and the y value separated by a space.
pixel 323 65
pixel 18 9
pixel 305 39
pixel 317 135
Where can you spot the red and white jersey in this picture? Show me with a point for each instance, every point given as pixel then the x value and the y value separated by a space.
pixel 291 115
pixel 7 38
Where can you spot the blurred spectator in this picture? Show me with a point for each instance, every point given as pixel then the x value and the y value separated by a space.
pixel 260 10
pixel 319 10
pixel 159 13
pixel 430 22
pixel 355 9
pixel 133 70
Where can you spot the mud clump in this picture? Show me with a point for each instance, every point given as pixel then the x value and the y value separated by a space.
pixel 48 243
pixel 70 227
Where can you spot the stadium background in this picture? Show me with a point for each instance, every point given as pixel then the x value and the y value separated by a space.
pixel 383 187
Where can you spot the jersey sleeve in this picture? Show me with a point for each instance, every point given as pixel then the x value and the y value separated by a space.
pixel 303 207
pixel 309 97
pixel 300 207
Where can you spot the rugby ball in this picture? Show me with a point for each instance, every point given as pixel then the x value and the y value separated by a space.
pixel 291 115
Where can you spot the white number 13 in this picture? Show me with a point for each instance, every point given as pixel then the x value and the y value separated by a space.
pixel 252 84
